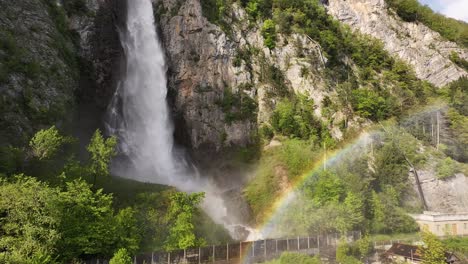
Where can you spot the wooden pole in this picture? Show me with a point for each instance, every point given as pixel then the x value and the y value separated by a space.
pixel 214 253
pixel 227 251
pixel 240 250
pixel 438 130
pixel 199 255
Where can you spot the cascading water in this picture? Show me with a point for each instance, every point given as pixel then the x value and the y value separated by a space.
pixel 139 116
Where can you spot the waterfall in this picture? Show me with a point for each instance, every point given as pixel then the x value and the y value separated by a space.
pixel 139 116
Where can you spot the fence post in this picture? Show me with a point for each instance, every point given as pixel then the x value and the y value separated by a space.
pixel 240 250
pixel 308 242
pixel 134 259
pixel 253 248
pixel 152 257
pixel 298 244
pixel 318 243
pixel 168 257
pixel 287 244
pixel 199 255
pixel 227 251
pixel 214 256
pixel 276 246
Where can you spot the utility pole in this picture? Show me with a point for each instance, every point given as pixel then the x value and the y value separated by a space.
pixel 438 130
pixel 325 156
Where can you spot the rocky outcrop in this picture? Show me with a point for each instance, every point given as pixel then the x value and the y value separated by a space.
pixel 414 43
pixel 448 195
pixel 37 68
pixel 202 65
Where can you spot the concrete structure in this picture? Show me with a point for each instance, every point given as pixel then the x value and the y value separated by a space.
pixel 443 224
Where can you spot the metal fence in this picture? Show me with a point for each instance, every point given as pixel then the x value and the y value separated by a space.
pixel 251 251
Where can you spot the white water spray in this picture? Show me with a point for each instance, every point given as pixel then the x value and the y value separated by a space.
pixel 139 116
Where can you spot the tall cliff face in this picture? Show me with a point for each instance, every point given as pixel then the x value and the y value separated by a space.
pixel 99 47
pixel 53 56
pixel 210 70
pixel 37 67
pixel 415 43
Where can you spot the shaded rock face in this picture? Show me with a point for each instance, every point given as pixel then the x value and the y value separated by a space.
pixel 99 48
pixel 414 43
pixel 38 72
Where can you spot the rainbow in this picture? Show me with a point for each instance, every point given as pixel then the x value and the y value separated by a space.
pixel 328 158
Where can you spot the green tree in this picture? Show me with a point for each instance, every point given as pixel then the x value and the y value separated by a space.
pixel 28 220
pixel 434 251
pixel 121 257
pixel 126 230
pixel 45 143
pixel 343 254
pixel 87 221
pixel 328 188
pixel 101 150
pixel 180 217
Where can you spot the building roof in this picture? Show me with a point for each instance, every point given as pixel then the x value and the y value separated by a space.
pixel 440 217
pixel 407 251
pixel 414 253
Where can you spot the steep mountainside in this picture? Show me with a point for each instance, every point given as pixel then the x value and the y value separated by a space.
pixel 38 68
pixel 415 43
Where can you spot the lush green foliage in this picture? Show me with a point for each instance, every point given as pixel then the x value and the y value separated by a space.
pixel 102 151
pixel 269 33
pixel 39 220
pixel 447 168
pixel 348 195
pixel 412 10
pixel 458 245
pixel 121 257
pixel 238 106
pixel 181 214
pixel 369 104
pixel 459 61
pixel 71 219
pixel 434 250
pixel 295 118
pixel 46 143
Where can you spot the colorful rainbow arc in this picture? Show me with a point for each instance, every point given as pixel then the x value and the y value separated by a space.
pixel 327 159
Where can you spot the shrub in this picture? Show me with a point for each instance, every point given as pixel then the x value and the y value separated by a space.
pixel 238 106
pixel 269 33
pixel 295 118
pixel 121 257
pixel 447 168
pixel 455 58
